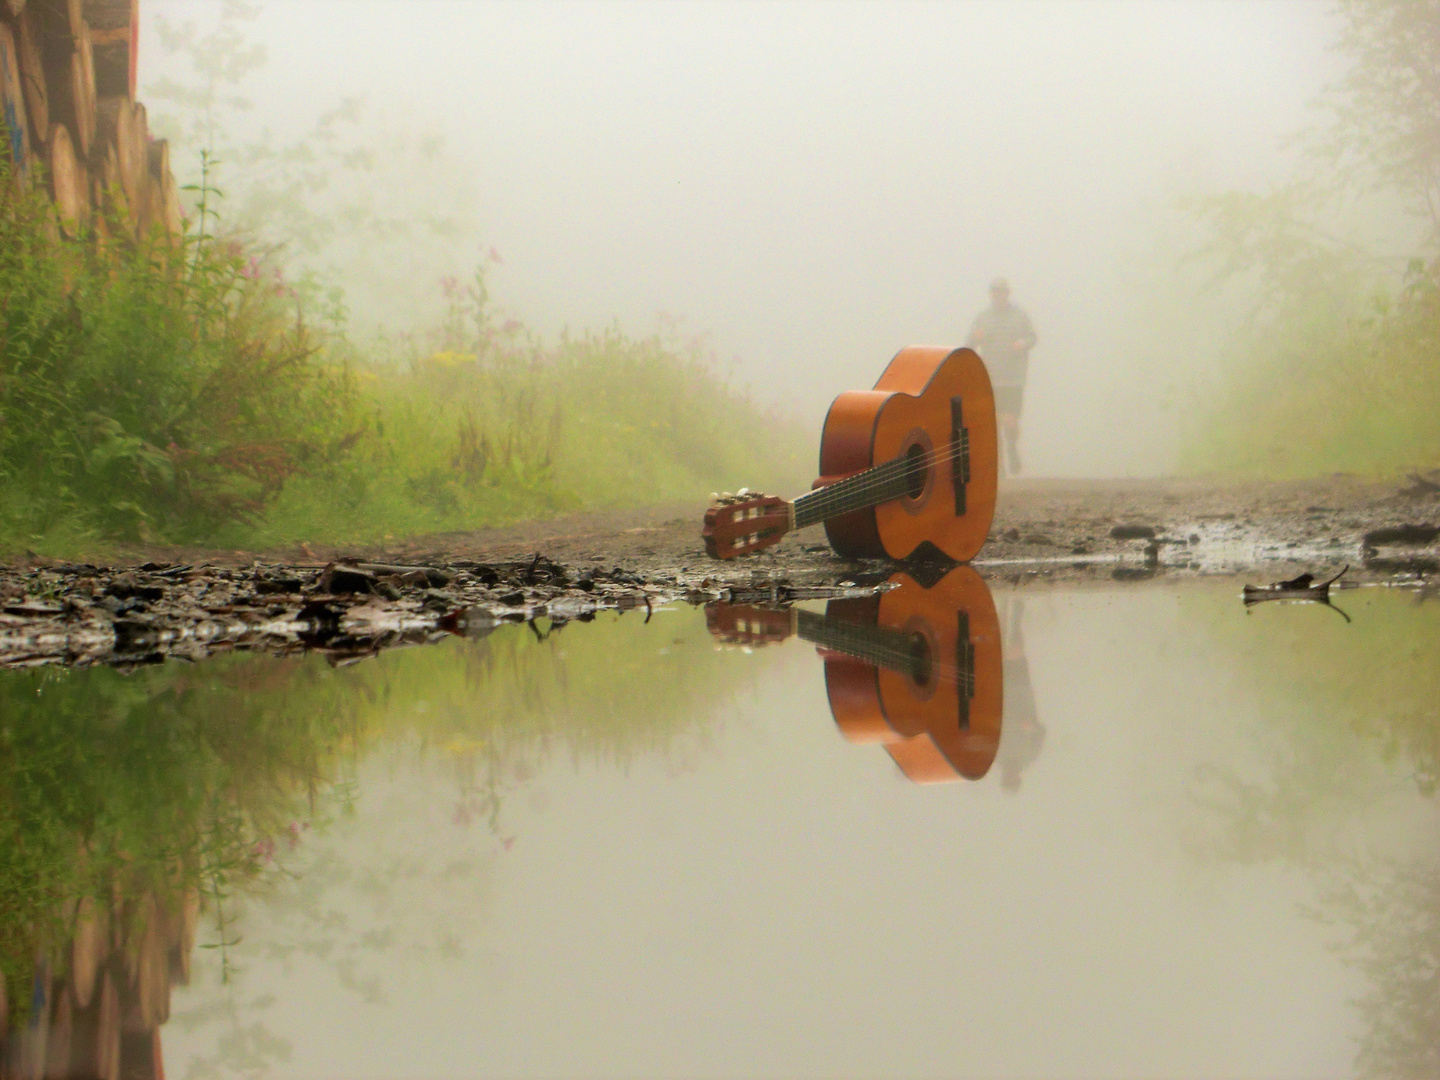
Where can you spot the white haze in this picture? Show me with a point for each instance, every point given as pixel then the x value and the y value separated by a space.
pixel 816 185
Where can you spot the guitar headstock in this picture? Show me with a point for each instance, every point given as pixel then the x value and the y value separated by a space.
pixel 745 522
pixel 745 624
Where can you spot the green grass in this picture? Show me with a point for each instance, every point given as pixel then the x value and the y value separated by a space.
pixel 452 441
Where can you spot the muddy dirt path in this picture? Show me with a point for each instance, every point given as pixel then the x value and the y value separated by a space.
pixel 1052 529
pixel 350 603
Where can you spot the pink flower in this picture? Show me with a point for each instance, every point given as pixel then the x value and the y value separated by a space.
pixel 510 326
pixel 494 256
pixel 252 269
pixel 449 286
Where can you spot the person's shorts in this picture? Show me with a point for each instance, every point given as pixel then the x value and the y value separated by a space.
pixel 1008 399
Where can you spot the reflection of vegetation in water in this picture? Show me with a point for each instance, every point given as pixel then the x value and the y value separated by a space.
pixel 113 783
pixel 1344 708
pixel 1389 912
pixel 174 777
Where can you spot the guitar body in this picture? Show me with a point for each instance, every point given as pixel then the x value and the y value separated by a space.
pixel 914 410
pixel 939 719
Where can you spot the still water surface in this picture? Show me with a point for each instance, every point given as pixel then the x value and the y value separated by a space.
pixel 1198 842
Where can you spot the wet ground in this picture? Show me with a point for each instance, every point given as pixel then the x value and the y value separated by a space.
pixel 351 602
pixel 620 814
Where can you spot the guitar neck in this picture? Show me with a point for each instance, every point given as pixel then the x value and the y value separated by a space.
pixel 876 645
pixel 859 492
pixel 889 480
pixel 896 650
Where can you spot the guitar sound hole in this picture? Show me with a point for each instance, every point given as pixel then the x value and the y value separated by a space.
pixel 916 472
pixel 920 660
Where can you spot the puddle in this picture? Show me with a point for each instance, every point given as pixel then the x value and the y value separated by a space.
pixel 945 829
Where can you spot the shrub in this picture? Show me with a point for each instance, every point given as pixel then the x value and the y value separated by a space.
pixel 151 388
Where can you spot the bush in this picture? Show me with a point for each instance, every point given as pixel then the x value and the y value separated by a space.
pixel 158 388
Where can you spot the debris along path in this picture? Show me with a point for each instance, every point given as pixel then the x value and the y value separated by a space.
pixel 350 604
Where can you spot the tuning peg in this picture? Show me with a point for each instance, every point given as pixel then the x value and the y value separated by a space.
pixel 714 498
pixel 742 493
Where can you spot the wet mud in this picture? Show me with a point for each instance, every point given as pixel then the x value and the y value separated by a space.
pixel 351 604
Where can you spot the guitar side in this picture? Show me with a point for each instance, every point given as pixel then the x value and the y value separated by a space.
pixel 924 395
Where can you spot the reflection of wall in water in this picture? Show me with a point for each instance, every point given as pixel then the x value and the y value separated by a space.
pixel 94 1004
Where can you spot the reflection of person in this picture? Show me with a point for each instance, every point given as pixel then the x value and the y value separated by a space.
pixel 1003 337
pixel 1021 733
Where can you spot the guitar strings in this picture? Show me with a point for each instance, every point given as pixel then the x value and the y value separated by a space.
pixel 884 474
pixel 898 662
pixel 879 654
pixel 942 672
pixel 875 478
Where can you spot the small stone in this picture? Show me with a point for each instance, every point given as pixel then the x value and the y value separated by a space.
pixel 339 579
pixel 1132 532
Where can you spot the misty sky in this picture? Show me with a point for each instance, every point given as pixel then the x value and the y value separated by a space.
pixel 817 185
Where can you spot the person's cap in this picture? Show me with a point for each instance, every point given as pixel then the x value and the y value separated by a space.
pixel 999 285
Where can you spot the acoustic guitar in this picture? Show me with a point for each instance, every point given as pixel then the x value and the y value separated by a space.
pixel 907 464
pixel 917 669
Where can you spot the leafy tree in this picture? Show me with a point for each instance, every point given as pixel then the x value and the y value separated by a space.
pixel 1332 370
pixel 1385 111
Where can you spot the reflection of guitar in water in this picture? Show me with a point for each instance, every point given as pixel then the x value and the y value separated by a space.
pixel 917 669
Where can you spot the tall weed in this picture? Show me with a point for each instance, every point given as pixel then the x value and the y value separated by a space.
pixel 153 388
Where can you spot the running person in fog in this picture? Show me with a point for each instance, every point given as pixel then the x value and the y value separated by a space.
pixel 1003 337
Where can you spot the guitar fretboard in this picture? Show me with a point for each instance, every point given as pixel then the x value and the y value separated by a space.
pixel 891 479
pixel 869 488
pixel 877 645
pixel 896 650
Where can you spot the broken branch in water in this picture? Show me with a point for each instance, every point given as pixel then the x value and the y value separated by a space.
pixel 1303 588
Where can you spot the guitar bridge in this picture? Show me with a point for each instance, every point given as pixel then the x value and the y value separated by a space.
pixel 960 448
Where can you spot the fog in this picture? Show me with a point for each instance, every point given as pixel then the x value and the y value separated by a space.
pixel 817 185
